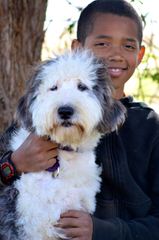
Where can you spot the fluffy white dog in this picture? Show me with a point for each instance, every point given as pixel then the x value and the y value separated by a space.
pixel 68 99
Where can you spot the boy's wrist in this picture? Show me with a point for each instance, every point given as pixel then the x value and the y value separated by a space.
pixel 8 171
pixel 16 160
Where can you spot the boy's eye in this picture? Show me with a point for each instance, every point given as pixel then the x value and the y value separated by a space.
pixel 102 44
pixel 53 88
pixel 82 87
pixel 130 47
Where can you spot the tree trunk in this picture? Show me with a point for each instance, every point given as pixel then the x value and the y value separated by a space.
pixel 21 38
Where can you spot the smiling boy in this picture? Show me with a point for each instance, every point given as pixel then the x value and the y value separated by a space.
pixel 127 206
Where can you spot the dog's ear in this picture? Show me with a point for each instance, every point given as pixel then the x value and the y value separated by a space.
pixel 23 115
pixel 114 112
pixel 113 117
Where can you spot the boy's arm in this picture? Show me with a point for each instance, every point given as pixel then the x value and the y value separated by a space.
pixel 80 226
pixel 116 229
pixel 35 154
pixel 145 228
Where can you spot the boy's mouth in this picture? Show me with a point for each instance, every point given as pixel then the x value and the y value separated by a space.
pixel 116 71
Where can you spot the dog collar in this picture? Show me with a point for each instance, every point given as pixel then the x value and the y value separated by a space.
pixel 54 167
pixel 67 148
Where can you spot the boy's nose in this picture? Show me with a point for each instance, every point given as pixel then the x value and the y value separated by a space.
pixel 116 54
pixel 115 58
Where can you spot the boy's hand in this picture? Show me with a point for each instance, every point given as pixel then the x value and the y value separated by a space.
pixel 35 154
pixel 77 225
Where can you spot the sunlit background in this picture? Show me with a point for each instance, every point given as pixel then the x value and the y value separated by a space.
pixel 62 14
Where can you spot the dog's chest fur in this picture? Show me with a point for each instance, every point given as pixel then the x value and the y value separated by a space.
pixel 42 198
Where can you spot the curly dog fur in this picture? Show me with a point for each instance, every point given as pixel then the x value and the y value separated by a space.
pixel 68 99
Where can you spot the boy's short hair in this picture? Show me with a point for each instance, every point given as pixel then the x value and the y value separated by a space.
pixel 117 7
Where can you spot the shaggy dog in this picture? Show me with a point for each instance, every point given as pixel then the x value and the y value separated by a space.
pixel 69 100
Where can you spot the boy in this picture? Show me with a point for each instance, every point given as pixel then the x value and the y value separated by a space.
pixel 128 204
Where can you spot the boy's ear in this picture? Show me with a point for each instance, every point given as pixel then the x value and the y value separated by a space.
pixel 75 44
pixel 141 54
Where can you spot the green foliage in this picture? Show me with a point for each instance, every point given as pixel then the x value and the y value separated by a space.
pixel 155 76
pixel 71 26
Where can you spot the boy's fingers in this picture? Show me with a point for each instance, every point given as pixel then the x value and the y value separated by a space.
pixel 72 213
pixel 72 232
pixel 67 223
pixel 51 154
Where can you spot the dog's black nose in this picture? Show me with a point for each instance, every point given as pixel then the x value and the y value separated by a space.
pixel 65 112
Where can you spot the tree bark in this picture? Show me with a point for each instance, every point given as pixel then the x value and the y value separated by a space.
pixel 21 38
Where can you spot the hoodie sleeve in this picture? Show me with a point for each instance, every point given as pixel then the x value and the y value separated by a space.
pixel 116 229
pixel 137 228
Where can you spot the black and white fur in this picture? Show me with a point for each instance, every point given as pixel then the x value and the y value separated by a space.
pixel 68 99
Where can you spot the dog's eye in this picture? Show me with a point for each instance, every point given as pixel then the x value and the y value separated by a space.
pixel 53 88
pixel 82 87
pixel 96 87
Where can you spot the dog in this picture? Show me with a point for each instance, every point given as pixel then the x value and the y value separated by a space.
pixel 68 100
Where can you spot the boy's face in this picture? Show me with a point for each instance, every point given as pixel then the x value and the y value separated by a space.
pixel 115 39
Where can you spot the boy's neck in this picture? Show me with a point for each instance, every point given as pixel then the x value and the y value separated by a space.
pixel 118 95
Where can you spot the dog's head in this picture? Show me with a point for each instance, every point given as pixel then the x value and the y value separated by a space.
pixel 70 98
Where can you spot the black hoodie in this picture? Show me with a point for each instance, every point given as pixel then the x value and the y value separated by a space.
pixel 128 204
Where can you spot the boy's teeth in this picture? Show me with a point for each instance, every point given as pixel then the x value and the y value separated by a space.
pixel 115 69
pixel 115 72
